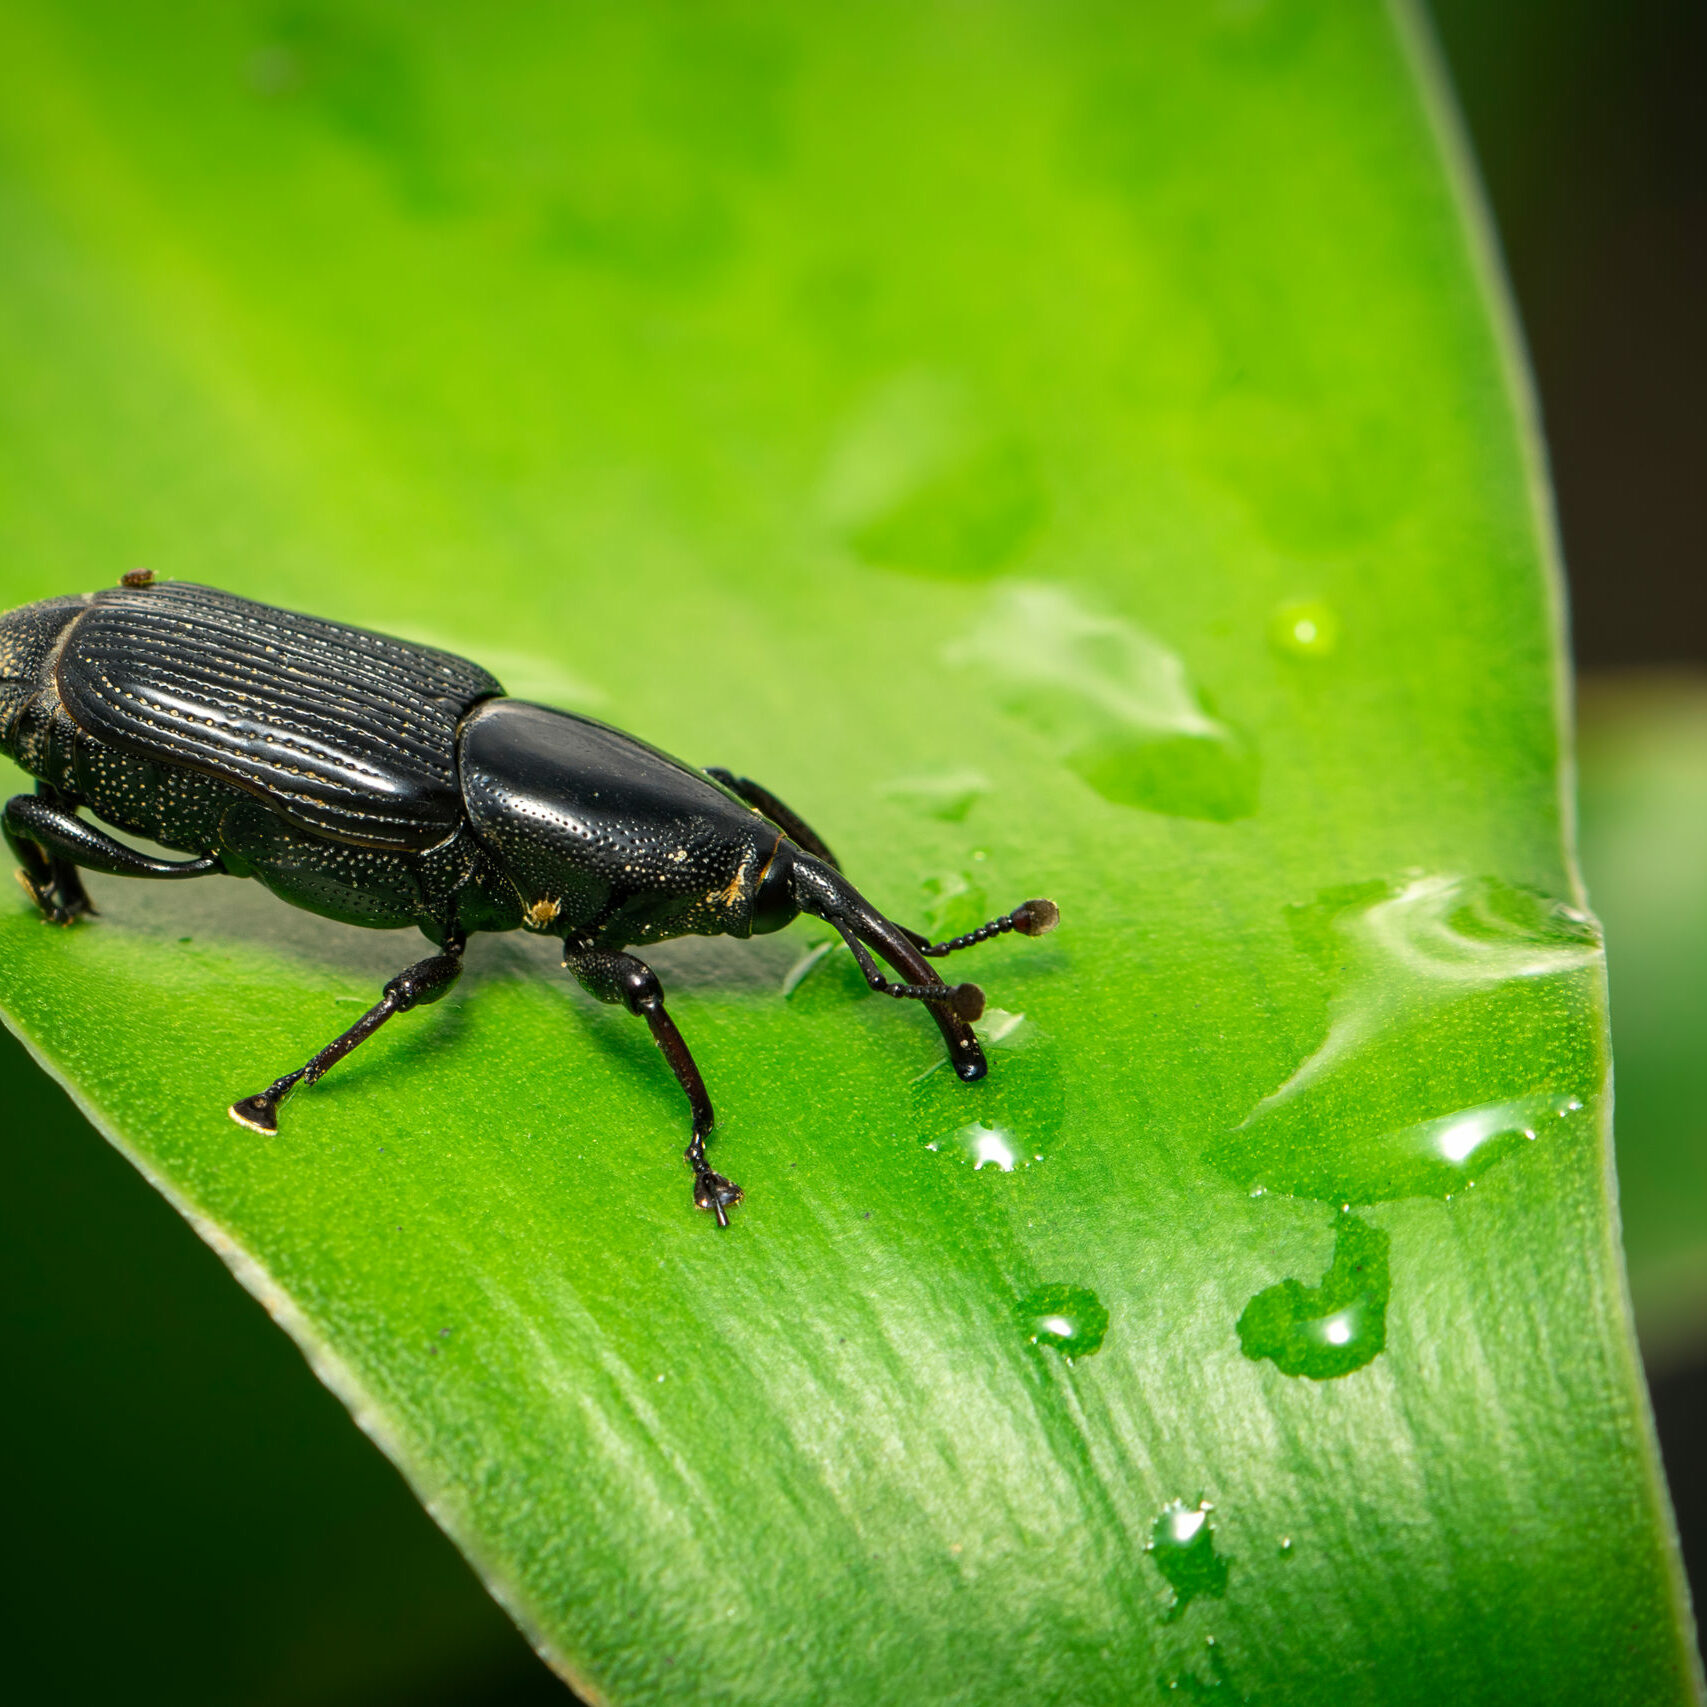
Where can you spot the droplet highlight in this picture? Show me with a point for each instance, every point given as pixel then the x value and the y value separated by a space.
pixel 1308 629
pixel 1330 1329
pixel 1069 1319
pixel 1182 1548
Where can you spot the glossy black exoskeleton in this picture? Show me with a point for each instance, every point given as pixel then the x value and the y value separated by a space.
pixel 388 785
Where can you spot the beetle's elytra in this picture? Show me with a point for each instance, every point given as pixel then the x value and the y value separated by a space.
pixel 388 785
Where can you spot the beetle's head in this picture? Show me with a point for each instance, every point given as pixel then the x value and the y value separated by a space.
pixel 774 904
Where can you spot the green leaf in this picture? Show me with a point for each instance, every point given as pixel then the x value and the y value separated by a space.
pixel 1072 450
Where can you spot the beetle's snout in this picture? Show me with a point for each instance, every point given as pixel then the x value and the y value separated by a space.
pixel 773 901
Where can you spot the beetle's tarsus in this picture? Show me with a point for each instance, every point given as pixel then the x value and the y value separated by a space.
pixel 61 899
pixel 259 1113
pixel 713 1192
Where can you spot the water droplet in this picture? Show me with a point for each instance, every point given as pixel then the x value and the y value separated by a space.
pixel 1004 1122
pixel 996 1029
pixel 1217 1687
pixel 1117 706
pixel 1330 1329
pixel 1071 1319
pixel 957 905
pixel 1286 1550
pixel 1309 629
pixel 1449 994
pixel 920 484
pixel 1182 1548
pixel 801 970
pixel 949 796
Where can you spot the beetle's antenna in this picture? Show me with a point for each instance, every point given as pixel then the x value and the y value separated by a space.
pixel 822 891
pixel 1029 918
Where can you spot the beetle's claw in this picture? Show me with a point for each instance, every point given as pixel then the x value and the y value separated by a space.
pixel 57 907
pixel 714 1192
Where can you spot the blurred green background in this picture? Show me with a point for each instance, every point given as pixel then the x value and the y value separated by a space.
pixel 244 1544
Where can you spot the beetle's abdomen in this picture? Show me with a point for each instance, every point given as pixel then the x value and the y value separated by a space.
pixel 348 734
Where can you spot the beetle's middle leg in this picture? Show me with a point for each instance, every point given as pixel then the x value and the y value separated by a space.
pixel 416 986
pixel 616 977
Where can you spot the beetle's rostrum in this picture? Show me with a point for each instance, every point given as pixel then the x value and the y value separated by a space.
pixel 392 785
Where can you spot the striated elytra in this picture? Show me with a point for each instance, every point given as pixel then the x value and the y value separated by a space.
pixel 388 784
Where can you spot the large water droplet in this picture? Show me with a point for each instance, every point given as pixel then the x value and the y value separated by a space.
pixel 1182 1548
pixel 1452 1039
pixel 1118 707
pixel 1070 1319
pixel 1330 1329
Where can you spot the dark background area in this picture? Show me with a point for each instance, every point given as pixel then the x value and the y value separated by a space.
pixel 209 1529
pixel 1589 120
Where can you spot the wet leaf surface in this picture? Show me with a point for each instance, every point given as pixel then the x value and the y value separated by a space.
pixel 1067 451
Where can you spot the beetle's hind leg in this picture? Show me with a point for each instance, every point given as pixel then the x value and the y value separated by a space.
pixel 419 984
pixel 616 977
pixel 50 842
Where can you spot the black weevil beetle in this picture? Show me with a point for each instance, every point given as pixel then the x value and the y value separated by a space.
pixel 387 784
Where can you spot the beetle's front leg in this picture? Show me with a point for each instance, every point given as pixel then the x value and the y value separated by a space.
pixel 616 977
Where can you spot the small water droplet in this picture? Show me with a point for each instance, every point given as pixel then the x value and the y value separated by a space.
pixel 1307 628
pixel 1286 1547
pixel 1182 1548
pixel 1070 1319
pixel 1016 1109
pixel 1330 1329
pixel 948 796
